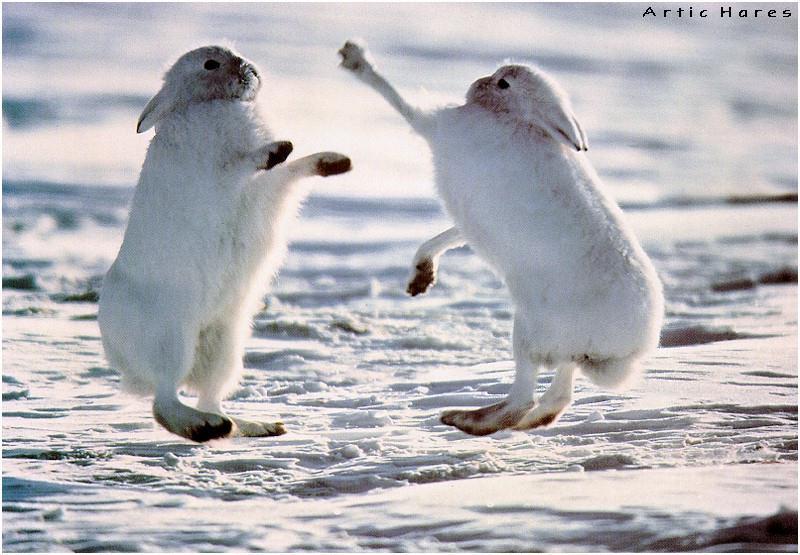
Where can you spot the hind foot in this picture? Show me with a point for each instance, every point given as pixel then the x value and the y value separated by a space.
pixel 554 401
pixel 191 423
pixel 540 417
pixel 248 428
pixel 486 420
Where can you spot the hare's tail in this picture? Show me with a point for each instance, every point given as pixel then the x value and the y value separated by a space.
pixel 610 372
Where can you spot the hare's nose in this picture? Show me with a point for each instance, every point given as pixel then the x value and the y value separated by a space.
pixel 246 67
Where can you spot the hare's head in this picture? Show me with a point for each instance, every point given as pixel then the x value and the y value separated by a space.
pixel 522 94
pixel 203 74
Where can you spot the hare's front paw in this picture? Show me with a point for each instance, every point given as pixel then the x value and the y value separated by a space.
pixel 424 276
pixel 332 163
pixel 354 57
pixel 273 154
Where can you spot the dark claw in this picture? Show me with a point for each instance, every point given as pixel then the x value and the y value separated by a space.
pixel 349 63
pixel 208 432
pixel 547 419
pixel 423 279
pixel 335 167
pixel 447 418
pixel 280 155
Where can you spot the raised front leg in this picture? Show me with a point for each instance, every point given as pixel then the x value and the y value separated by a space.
pixel 272 154
pixel 322 163
pixel 426 261
pixel 356 60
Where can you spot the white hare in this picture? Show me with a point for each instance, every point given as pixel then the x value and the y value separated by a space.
pixel 204 237
pixel 511 171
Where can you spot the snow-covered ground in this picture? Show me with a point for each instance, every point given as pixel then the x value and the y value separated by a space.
pixel 691 123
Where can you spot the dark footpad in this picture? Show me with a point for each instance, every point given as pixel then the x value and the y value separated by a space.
pixel 423 279
pixel 326 167
pixel 207 431
pixel 279 156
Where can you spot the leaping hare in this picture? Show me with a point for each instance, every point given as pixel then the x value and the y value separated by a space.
pixel 512 174
pixel 204 237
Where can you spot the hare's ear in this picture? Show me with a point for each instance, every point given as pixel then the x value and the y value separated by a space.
pixel 153 112
pixel 558 120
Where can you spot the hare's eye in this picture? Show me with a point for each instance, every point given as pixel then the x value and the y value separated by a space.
pixel 503 84
pixel 211 64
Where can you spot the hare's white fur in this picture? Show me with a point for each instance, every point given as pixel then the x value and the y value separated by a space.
pixel 204 237
pixel 512 174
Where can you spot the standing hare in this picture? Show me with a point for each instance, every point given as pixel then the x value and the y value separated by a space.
pixel 204 237
pixel 511 172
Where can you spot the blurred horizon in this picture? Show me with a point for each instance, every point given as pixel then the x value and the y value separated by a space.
pixel 672 107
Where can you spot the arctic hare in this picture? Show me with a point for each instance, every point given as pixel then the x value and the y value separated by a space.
pixel 511 171
pixel 205 235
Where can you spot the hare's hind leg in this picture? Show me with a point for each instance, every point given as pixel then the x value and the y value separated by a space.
pixel 242 427
pixel 218 364
pixel 176 354
pixel 508 412
pixel 553 402
pixel 188 422
pixel 250 428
